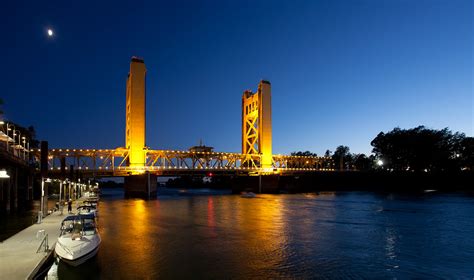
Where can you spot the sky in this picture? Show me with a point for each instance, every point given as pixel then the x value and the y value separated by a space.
pixel 341 71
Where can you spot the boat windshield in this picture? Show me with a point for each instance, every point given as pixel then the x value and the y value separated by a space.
pixel 89 226
pixel 78 225
pixel 86 209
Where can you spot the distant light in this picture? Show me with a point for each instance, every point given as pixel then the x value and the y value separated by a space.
pixel 50 32
pixel 379 162
pixel 3 174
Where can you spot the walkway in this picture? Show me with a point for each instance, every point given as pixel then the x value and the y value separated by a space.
pixel 18 257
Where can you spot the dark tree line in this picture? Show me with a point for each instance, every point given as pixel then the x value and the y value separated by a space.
pixel 344 160
pixel 423 149
pixel 417 149
pixel 306 154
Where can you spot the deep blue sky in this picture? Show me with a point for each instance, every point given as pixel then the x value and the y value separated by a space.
pixel 341 71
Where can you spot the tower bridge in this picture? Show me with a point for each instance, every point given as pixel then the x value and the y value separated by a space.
pixel 140 165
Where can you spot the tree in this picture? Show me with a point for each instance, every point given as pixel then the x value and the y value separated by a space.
pixel 418 149
pixel 361 162
pixel 327 153
pixel 343 157
pixel 34 143
pixel 304 154
pixel 1 111
pixel 466 153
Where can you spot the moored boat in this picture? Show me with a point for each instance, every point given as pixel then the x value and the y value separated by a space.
pixel 248 195
pixel 86 210
pixel 79 239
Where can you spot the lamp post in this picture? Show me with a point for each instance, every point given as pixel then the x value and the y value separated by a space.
pixel 8 129
pixel 40 213
pixel 28 149
pixel 69 190
pixel 4 175
pixel 24 145
pixel 17 132
pixel 61 204
pixel 2 123
pixel 60 190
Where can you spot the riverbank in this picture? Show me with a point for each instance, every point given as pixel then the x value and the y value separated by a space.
pixel 378 181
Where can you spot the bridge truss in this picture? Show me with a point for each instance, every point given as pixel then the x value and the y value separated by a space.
pixel 113 162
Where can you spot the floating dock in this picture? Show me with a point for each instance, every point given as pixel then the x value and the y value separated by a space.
pixel 24 254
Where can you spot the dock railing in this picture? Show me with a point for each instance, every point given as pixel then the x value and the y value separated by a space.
pixel 44 244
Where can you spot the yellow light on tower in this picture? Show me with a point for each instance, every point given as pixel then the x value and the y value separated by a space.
pixel 135 114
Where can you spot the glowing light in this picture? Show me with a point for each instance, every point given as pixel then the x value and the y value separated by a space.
pixel 50 32
pixel 379 162
pixel 4 174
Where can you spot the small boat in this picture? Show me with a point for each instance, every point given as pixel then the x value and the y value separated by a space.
pixel 79 239
pixel 428 191
pixel 86 210
pixel 90 202
pixel 248 195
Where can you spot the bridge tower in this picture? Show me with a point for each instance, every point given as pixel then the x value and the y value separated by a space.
pixel 257 125
pixel 135 113
pixel 138 183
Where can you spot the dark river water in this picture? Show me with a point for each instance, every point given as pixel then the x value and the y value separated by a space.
pixel 324 236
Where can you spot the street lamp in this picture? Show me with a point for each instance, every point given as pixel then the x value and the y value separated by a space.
pixel 40 213
pixel 24 145
pixel 8 129
pixel 2 123
pixel 19 142
pixel 61 182
pixel 4 174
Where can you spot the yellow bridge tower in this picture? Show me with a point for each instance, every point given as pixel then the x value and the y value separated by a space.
pixel 140 182
pixel 135 113
pixel 257 125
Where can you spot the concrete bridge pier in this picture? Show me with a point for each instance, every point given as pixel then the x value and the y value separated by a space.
pixel 141 186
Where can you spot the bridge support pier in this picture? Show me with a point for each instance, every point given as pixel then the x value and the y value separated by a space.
pixel 141 186
pixel 257 184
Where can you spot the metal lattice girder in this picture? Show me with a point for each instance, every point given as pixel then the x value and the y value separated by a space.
pixel 114 162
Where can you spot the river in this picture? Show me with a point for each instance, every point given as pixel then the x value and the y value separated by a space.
pixel 322 236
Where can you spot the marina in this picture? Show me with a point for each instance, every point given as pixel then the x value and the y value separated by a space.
pixel 22 255
pixel 236 140
pixel 305 236
pixel 28 253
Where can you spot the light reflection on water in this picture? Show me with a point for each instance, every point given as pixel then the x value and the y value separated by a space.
pixel 343 235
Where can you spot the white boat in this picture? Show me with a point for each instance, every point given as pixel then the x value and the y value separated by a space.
pixel 90 202
pixel 248 195
pixel 86 210
pixel 79 239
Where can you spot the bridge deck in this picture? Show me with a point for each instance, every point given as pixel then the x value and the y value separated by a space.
pixel 113 162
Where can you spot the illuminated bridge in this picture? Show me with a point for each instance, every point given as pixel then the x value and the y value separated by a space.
pixel 106 162
pixel 136 162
